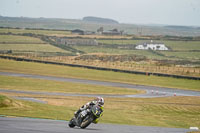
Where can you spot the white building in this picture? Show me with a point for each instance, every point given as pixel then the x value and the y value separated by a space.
pixel 152 46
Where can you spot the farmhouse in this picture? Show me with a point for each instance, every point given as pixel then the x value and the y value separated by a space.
pixel 152 46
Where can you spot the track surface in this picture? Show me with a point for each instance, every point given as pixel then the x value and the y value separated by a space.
pixel 157 91
pixel 28 125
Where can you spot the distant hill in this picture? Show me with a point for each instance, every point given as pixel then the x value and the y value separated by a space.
pixel 181 27
pixel 92 25
pixel 100 20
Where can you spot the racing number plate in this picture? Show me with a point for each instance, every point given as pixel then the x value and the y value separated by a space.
pixel 83 113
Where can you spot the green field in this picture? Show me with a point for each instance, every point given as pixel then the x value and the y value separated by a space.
pixel 31 48
pixel 43 32
pixel 64 71
pixel 182 55
pixel 115 51
pixel 23 45
pixel 183 45
pixel 19 39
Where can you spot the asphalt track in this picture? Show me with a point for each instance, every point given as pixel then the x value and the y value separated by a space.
pixel 151 91
pixel 29 125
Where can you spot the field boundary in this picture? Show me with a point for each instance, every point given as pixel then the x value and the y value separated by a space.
pixel 100 68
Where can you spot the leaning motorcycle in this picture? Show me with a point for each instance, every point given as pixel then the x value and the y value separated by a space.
pixel 86 117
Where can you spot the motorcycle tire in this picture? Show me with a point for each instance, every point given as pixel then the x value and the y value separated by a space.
pixel 71 123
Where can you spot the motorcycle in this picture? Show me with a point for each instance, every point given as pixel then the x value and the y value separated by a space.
pixel 86 117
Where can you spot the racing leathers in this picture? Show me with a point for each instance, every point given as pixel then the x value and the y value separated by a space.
pixel 86 106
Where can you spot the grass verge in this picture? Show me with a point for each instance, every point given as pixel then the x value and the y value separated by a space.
pixel 8 102
pixel 28 84
pixel 37 110
pixel 82 73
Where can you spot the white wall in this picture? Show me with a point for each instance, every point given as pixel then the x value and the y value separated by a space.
pixel 152 47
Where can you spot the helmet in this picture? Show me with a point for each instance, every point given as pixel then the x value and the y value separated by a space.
pixel 100 101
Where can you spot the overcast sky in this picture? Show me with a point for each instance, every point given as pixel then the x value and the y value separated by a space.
pixel 172 12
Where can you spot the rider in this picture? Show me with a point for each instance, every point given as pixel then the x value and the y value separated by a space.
pixel 99 101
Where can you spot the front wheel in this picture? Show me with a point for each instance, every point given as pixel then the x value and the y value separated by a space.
pixel 71 123
pixel 86 122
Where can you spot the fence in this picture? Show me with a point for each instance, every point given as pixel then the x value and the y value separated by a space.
pixel 100 68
